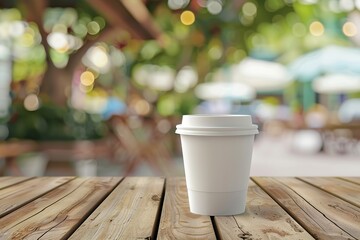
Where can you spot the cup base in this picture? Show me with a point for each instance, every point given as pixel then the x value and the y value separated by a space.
pixel 217 203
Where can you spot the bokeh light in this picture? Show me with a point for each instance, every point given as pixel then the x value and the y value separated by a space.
pixel 100 57
pixel 93 28
pixel 316 28
pixel 160 78
pixel 187 17
pixel 214 7
pixel 31 102
pixel 58 41
pixel 101 21
pixel 177 4
pixel 185 79
pixel 17 28
pixel 87 78
pixel 80 30
pixel 349 29
pixel 274 5
pixel 215 52
pixel 142 107
pixel 97 58
pixel 249 9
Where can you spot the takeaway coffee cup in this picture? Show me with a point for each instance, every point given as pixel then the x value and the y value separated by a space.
pixel 217 152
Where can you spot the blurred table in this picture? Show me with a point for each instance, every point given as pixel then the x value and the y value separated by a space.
pixel 334 138
pixel 11 150
pixel 55 151
pixel 157 208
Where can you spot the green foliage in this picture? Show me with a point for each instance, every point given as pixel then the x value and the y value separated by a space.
pixel 51 122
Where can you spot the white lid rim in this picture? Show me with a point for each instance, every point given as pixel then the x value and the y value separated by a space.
pixel 217 133
pixel 235 128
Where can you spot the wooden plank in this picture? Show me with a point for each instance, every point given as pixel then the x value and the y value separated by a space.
pixel 352 179
pixel 9 181
pixel 129 212
pixel 177 222
pixel 311 218
pixel 20 194
pixel 263 219
pixel 58 213
pixel 347 191
pixel 343 214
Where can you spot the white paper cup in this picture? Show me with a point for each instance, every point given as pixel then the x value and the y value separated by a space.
pixel 217 152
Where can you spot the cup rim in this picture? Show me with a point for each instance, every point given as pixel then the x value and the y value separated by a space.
pixel 206 128
pixel 216 115
pixel 213 132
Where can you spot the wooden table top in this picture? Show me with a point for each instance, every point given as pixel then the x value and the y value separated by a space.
pixel 157 208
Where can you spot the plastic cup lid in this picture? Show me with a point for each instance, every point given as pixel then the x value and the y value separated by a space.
pixel 216 125
pixel 216 121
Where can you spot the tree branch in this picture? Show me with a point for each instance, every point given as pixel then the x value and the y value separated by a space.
pixel 34 12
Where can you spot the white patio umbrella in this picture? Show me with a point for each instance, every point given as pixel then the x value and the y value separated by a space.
pixel 337 83
pixel 225 90
pixel 263 75
pixel 330 59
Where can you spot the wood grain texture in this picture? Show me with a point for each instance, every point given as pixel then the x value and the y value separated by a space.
pixel 129 212
pixel 20 194
pixel 263 219
pixel 352 179
pixel 177 222
pixel 9 181
pixel 343 214
pixel 347 191
pixel 301 208
pixel 58 213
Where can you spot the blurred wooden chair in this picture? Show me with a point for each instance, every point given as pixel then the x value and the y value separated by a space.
pixel 149 147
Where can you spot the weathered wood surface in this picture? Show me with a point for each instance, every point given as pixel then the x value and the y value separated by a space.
pixel 347 191
pixel 58 213
pixel 352 179
pixel 288 193
pixel 129 212
pixel 155 208
pixel 177 222
pixel 9 181
pixel 20 194
pixel 263 219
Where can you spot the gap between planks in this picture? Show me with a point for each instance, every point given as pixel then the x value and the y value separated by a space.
pixel 30 197
pixel 346 191
pixel 158 214
pixel 92 209
pixel 310 229
pixel 129 212
pixel 11 181
pixel 215 227
pixel 355 180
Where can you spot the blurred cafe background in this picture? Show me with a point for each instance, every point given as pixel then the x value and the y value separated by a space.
pixel 94 87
